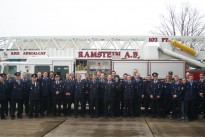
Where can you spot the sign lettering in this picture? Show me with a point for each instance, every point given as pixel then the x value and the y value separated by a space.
pixel 106 54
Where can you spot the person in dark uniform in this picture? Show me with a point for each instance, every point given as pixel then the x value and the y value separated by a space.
pixel 201 89
pixel 109 97
pixel 147 95
pixel 183 110
pixel 17 96
pixel 190 98
pixel 25 88
pixel 176 96
pixel 8 82
pixel 123 81
pixel 155 92
pixel 45 94
pixel 68 92
pixel 128 97
pixel 94 87
pixel 166 95
pixel 139 94
pixel 56 90
pixel 72 77
pixel 87 90
pixel 3 89
pixel 101 95
pixel 119 103
pixel 34 96
pixel 79 96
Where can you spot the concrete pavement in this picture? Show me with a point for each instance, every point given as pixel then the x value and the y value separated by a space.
pixel 82 127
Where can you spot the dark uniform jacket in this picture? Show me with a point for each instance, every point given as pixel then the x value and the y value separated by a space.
pixel 79 89
pixel 87 82
pixel 94 87
pixel 9 86
pixel 177 89
pixel 25 87
pixel 129 90
pixel 146 88
pixel 155 89
pixel 34 91
pixel 3 89
pixel 45 86
pixel 167 88
pixel 102 86
pixel 138 87
pixel 119 88
pixel 201 86
pixel 109 90
pixel 17 92
pixel 68 88
pixel 191 91
pixel 57 86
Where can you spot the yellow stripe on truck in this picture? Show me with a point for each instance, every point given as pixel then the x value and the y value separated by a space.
pixel 184 47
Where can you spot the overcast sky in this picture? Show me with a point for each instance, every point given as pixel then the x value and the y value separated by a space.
pixel 84 17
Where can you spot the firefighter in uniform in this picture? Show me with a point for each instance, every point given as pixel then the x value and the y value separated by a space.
pixel 56 90
pixel 190 98
pixel 155 92
pixel 25 88
pixel 79 96
pixel 17 96
pixel 3 89
pixel 201 89
pixel 166 95
pixel 128 97
pixel 109 96
pixel 68 95
pixel 94 87
pixel 119 96
pixel 8 82
pixel 139 94
pixel 45 94
pixel 147 95
pixel 34 96
pixel 87 90
pixel 176 96
pixel 101 96
pixel 123 81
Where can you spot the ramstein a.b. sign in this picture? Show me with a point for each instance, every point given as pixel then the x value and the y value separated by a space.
pixel 107 54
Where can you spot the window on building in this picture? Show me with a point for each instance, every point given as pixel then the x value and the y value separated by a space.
pixel 81 65
pixel 42 69
pixel 62 69
pixel 10 69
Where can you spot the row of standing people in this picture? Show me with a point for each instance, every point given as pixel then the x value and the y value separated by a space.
pixel 106 96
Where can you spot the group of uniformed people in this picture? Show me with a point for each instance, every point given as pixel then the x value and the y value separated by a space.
pixel 103 96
